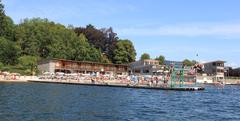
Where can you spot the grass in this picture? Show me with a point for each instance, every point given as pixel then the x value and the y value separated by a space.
pixel 16 69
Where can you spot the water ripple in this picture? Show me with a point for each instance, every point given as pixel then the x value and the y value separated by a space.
pixel 58 102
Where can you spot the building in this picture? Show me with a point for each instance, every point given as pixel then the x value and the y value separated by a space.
pixel 70 66
pixel 145 67
pixel 233 72
pixel 177 64
pixel 204 79
pixel 215 69
pixel 227 71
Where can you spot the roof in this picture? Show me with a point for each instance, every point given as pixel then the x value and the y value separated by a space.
pixel 90 62
pixel 217 61
pixel 237 68
pixel 172 62
pixel 150 60
pixel 139 61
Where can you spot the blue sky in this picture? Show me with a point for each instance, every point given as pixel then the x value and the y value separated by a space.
pixel 177 29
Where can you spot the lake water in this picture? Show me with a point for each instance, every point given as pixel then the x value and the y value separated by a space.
pixel 59 102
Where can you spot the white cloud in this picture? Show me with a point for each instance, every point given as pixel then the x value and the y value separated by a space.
pixel 225 30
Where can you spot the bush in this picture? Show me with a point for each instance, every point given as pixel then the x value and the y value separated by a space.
pixel 1 65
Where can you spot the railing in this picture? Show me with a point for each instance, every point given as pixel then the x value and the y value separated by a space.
pixel 231 77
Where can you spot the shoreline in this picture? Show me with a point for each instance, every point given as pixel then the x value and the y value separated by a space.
pixel 85 81
pixel 9 81
pixel 123 85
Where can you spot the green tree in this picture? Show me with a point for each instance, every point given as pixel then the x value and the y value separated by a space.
pixel 125 52
pixel 161 59
pixel 63 44
pixel 104 59
pixel 83 51
pixel 1 65
pixel 40 37
pixel 103 39
pixel 145 56
pixel 29 63
pixel 8 28
pixel 36 36
pixel 194 62
pixel 187 62
pixel 6 24
pixel 2 16
pixel 9 52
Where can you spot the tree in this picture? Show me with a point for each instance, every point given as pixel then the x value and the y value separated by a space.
pixel 1 65
pixel 194 62
pixel 125 52
pixel 83 51
pixel 29 63
pixel 6 24
pixel 161 59
pixel 40 37
pixel 8 51
pixel 34 36
pixel 187 62
pixel 2 15
pixel 145 56
pixel 104 59
pixel 103 39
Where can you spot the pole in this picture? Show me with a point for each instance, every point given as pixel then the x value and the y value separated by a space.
pixel 181 77
pixel 173 78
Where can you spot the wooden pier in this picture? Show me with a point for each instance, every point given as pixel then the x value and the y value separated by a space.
pixel 122 85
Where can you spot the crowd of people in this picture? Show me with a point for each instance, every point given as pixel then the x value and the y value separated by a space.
pixel 9 76
pixel 159 80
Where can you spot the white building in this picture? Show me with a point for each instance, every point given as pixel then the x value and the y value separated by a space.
pixel 215 69
pixel 145 67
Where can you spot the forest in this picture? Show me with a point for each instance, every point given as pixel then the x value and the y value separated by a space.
pixel 22 45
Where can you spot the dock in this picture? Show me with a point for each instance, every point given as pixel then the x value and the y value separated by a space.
pixel 120 85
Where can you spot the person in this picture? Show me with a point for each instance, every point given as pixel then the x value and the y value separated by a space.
pixel 138 80
pixel 128 79
pixel 220 84
pixel 156 80
pixel 132 79
pixel 92 80
pixel 165 80
pixel 135 80
pixel 151 81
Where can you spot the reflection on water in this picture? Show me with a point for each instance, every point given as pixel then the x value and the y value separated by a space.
pixel 59 102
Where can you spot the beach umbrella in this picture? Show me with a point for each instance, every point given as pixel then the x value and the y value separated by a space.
pixel 46 73
pixel 5 73
pixel 60 73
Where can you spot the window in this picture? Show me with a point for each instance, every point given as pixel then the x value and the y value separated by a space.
pixel 145 71
pixel 220 70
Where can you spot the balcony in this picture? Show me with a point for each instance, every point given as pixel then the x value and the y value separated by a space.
pixel 220 74
pixel 220 67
